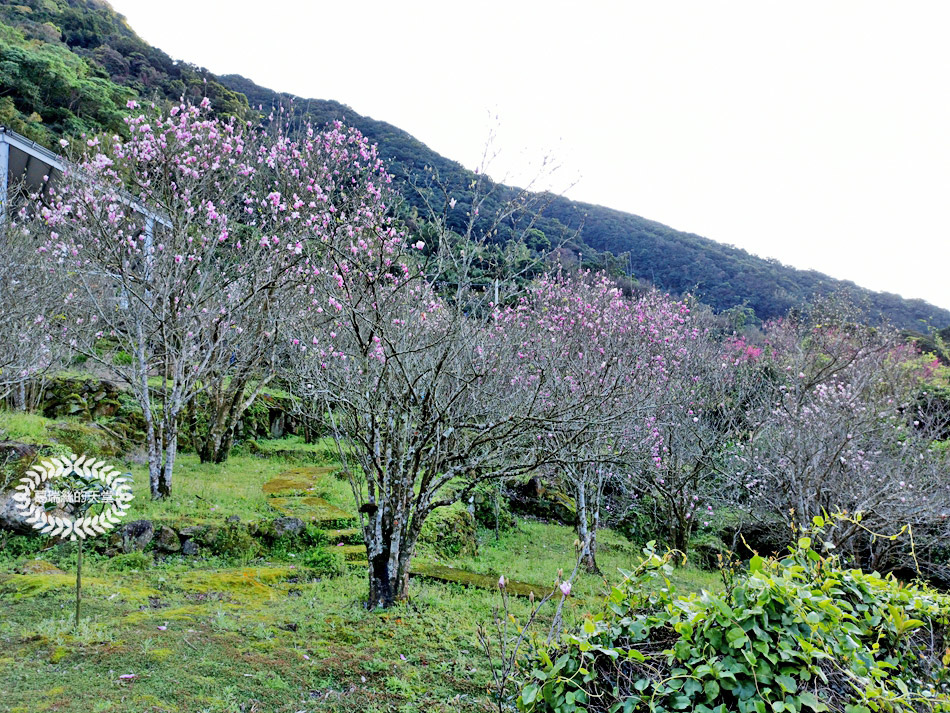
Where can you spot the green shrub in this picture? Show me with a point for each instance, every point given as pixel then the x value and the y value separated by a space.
pixel 12 546
pixel 800 634
pixel 324 562
pixel 491 505
pixel 232 541
pixel 131 561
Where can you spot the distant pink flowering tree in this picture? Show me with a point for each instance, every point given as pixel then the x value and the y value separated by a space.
pixel 677 455
pixel 841 429
pixel 596 349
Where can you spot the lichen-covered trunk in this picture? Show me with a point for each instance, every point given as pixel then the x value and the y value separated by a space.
pixel 390 546
pixel 388 576
pixel 587 530
pixel 171 452
pixel 224 410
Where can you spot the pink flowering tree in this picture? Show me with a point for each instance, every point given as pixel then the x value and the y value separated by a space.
pixel 312 192
pixel 678 453
pixel 595 348
pixel 169 266
pixel 404 353
pixel 841 430
pixel 423 399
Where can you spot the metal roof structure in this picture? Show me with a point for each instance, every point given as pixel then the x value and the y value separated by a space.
pixel 36 168
pixel 27 161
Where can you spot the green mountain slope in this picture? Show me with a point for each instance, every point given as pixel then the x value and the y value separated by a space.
pixel 68 66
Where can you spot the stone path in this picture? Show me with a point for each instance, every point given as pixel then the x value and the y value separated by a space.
pixel 289 495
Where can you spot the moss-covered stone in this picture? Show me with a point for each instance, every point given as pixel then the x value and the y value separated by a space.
pixel 444 573
pixel 312 509
pixel 167 540
pixel 38 567
pixel 543 500
pixel 248 583
pixel 295 481
pixel 350 553
pixel 58 654
pixel 189 614
pixel 16 458
pixel 86 438
pixel 19 586
pixel 86 397
pixel 160 655
pixel 347 535
pixel 133 536
pixel 450 532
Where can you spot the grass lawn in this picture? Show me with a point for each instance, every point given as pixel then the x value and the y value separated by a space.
pixel 190 635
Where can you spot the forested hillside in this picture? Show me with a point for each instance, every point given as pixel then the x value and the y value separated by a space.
pixel 69 66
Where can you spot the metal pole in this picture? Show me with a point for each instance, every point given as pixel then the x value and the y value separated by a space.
pixel 78 580
pixel 4 175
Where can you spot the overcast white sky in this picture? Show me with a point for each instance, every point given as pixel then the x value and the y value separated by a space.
pixel 817 133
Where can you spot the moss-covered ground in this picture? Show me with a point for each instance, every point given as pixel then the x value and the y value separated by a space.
pixel 203 635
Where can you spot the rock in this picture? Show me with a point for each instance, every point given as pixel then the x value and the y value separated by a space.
pixel 38 567
pixel 538 499
pixel 86 397
pixel 450 531
pixel 288 526
pixel 189 547
pixel 15 459
pixel 234 518
pixel 135 535
pixel 192 531
pixel 167 540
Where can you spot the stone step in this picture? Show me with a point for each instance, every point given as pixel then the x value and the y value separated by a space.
pixel 296 481
pixel 351 552
pixel 312 509
pixel 355 557
pixel 348 536
pixel 444 573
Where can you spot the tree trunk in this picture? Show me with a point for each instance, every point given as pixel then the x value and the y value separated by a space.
pixel 171 451
pixel 681 533
pixel 225 409
pixel 390 550
pixel 586 533
pixel 154 454
pixel 381 594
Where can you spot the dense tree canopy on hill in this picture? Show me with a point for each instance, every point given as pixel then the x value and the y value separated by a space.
pixel 69 66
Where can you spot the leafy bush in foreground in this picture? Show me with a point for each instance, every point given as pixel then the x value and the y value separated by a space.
pixel 800 634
